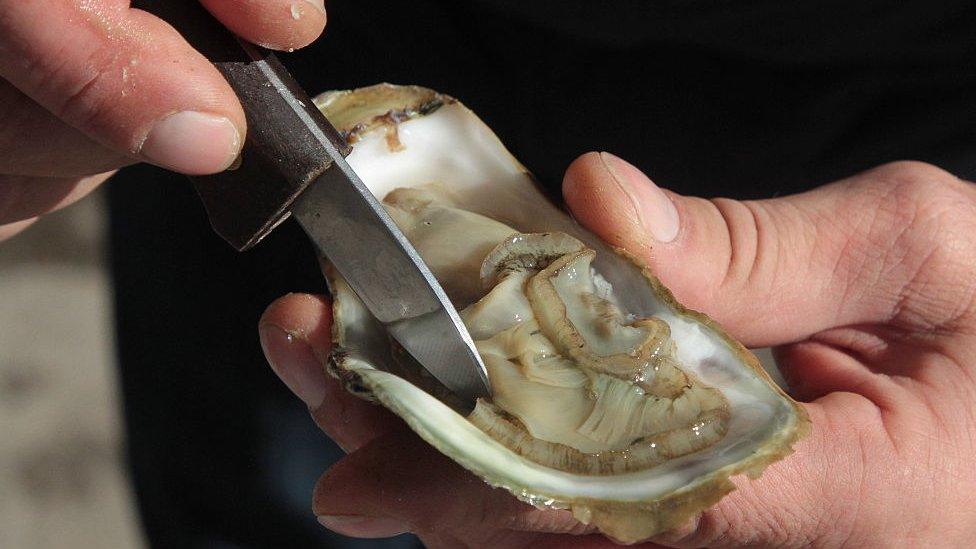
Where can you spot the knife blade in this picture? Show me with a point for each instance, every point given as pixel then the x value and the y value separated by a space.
pixel 292 163
pixel 391 279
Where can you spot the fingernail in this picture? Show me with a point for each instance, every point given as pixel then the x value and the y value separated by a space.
pixel 318 4
pixel 655 209
pixel 193 143
pixel 292 359
pixel 363 527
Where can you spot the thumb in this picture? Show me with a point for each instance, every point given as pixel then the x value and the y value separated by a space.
pixel 776 271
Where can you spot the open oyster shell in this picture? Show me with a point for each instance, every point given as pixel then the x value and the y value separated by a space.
pixel 609 398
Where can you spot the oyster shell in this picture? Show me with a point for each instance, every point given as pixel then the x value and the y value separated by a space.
pixel 608 397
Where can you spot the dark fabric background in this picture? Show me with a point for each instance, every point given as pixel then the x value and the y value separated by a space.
pixel 710 97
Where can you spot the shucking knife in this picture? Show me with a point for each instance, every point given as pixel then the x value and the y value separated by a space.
pixel 293 163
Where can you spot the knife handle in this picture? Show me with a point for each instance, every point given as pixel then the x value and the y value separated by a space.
pixel 289 142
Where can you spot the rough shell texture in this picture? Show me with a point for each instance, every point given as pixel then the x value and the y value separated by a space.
pixel 410 137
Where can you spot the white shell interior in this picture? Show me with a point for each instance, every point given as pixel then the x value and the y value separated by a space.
pixel 452 147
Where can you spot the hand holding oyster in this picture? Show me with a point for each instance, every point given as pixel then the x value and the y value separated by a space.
pixel 609 399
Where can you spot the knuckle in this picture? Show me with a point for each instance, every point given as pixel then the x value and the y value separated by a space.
pixel 913 188
pixel 913 172
pixel 923 222
pixel 89 102
pixel 742 223
pixel 920 203
pixel 762 239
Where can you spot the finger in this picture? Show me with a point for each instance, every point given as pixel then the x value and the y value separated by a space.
pixel 35 142
pixel 296 334
pixel 123 78
pixel 398 483
pixel 276 24
pixel 776 271
pixel 13 229
pixel 23 197
pixel 812 370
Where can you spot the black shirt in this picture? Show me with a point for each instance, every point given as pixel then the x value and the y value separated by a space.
pixel 745 99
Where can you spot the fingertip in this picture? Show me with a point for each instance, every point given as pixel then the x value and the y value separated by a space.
pixel 579 167
pixel 292 359
pixel 578 181
pixel 275 24
pixel 307 315
pixel 309 22
pixel 185 116
pixel 294 337
pixel 612 199
pixel 193 143
pixel 363 527
pixel 601 205
pixel 297 25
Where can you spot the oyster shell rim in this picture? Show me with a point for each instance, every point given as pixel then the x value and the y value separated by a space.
pixel 655 513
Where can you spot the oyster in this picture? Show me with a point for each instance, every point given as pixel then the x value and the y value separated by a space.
pixel 608 397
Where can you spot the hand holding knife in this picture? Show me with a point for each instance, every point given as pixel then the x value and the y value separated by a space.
pixel 292 163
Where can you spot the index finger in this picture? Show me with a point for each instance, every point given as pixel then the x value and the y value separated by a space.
pixel 124 78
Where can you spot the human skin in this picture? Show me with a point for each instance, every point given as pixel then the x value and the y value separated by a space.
pixel 865 287
pixel 88 86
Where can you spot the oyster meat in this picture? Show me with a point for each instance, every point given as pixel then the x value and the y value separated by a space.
pixel 608 397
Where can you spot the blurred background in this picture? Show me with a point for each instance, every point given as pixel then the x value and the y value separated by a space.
pixel 62 475
pixel 68 459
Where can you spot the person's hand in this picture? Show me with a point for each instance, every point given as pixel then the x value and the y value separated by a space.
pixel 868 288
pixel 88 87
